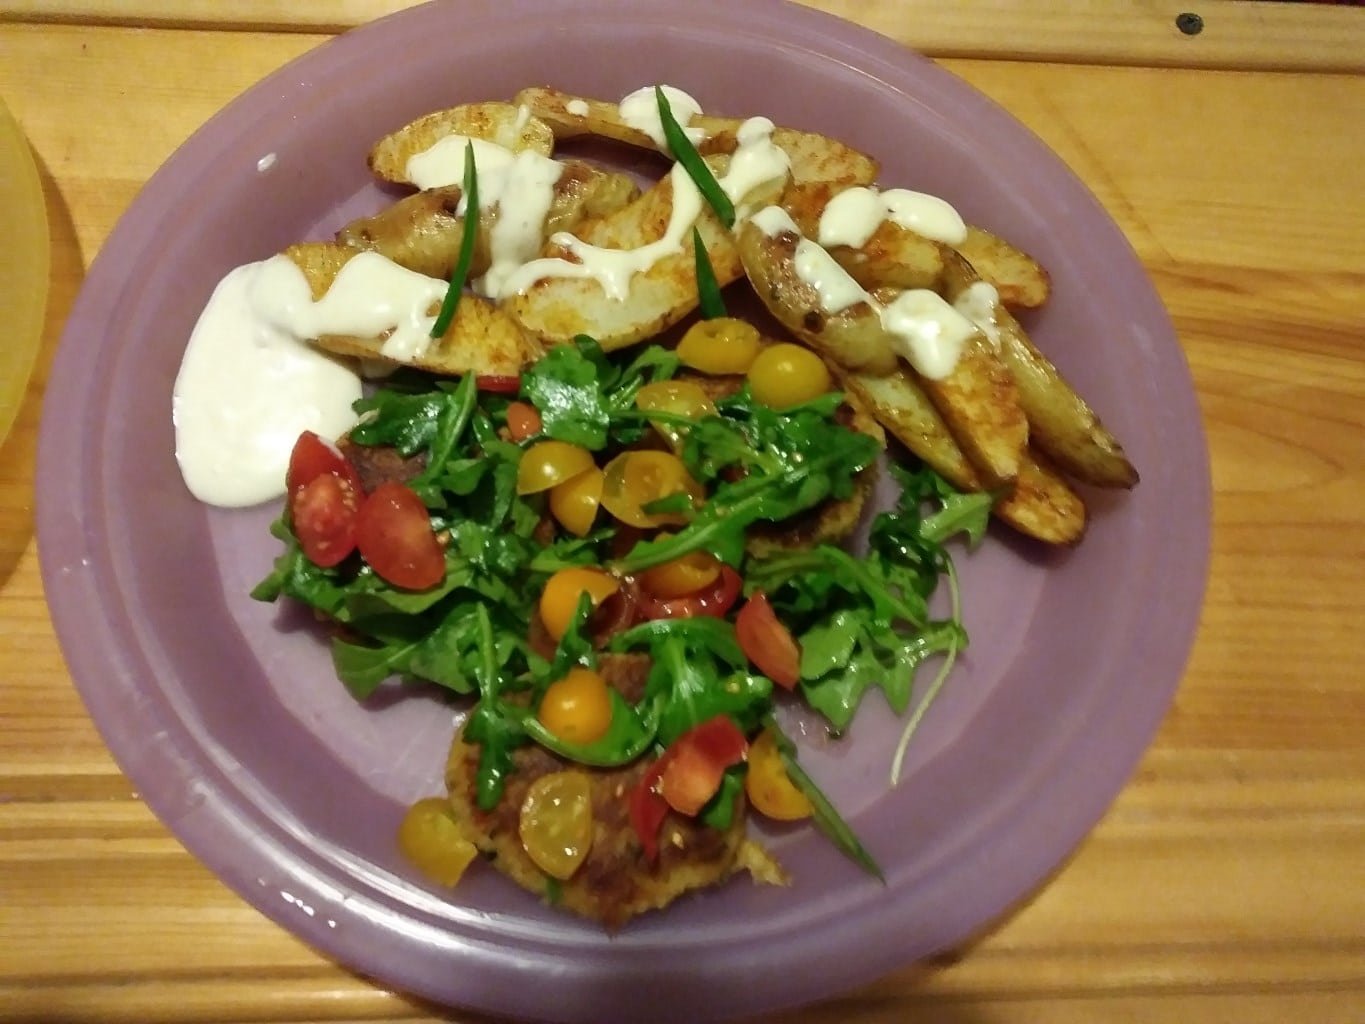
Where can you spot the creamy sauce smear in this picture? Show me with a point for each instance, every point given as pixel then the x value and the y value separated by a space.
pixel 853 216
pixel 245 391
pixel 640 110
pixel 925 329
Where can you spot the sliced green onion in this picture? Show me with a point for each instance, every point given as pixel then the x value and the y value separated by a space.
pixel 826 818
pixel 708 288
pixel 686 154
pixel 471 231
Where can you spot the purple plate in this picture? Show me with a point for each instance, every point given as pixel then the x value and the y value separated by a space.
pixel 225 713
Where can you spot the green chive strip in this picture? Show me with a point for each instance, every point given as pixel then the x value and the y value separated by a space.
pixel 708 288
pixel 686 154
pixel 826 818
pixel 471 231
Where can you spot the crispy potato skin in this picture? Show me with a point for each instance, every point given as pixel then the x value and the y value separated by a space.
pixel 1061 424
pixel 481 338
pixel 1022 281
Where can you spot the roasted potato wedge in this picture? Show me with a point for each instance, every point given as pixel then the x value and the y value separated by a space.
pixel 813 157
pixel 500 123
pixel 555 309
pixel 481 339
pixel 896 257
pixel 853 338
pixel 1061 424
pixel 1039 503
pixel 1018 277
pixel 423 231
pixel 980 403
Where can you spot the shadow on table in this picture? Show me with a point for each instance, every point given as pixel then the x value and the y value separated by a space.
pixel 18 452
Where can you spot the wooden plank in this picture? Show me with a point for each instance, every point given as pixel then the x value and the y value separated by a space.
pixel 1235 33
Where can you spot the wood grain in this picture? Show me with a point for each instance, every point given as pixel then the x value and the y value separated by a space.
pixel 1223 885
pixel 1235 33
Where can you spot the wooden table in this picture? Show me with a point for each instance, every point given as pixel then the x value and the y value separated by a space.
pixel 1228 881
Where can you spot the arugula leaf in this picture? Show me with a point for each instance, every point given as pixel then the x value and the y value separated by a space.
pixel 719 811
pixel 826 818
pixel 565 388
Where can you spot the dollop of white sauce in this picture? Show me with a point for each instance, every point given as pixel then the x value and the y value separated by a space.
pixel 756 161
pixel 925 330
pixel 578 108
pixel 837 290
pixel 640 110
pixel 853 216
pixel 978 303
pixel 614 268
pixel 245 391
pixel 372 296
pixel 443 164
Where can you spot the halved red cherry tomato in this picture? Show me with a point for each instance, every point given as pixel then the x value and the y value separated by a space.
pixel 324 513
pixel 715 600
pixel 648 808
pixel 394 534
pixel 311 457
pixel 498 383
pixel 697 761
pixel 768 643
pixel 523 421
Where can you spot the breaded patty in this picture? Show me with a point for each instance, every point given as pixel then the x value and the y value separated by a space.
pixel 616 881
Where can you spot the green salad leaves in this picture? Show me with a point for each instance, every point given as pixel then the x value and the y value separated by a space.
pixel 863 622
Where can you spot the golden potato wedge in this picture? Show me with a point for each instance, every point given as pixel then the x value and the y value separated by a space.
pixel 423 231
pixel 854 337
pixel 901 406
pixel 1039 503
pixel 1061 424
pixel 481 339
pixel 896 257
pixel 556 308
pixel 1021 280
pixel 500 123
pixel 980 403
pixel 813 157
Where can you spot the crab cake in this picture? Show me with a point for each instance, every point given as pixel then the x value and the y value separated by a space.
pixel 616 881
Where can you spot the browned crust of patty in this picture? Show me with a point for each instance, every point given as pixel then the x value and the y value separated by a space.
pixel 616 882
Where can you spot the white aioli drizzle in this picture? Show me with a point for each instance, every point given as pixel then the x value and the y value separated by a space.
pixel 853 216
pixel 978 303
pixel 756 161
pixel 925 330
pixel 640 110
pixel 245 391
pixel 371 295
pixel 443 164
pixel 613 268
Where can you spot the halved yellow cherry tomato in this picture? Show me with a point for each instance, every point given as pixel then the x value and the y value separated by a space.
pixel 785 375
pixel 577 708
pixel 635 479
pixel 556 822
pixel 430 839
pixel 547 463
pixel 694 571
pixel 723 345
pixel 574 502
pixel 679 397
pixel 559 599
pixel 767 784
